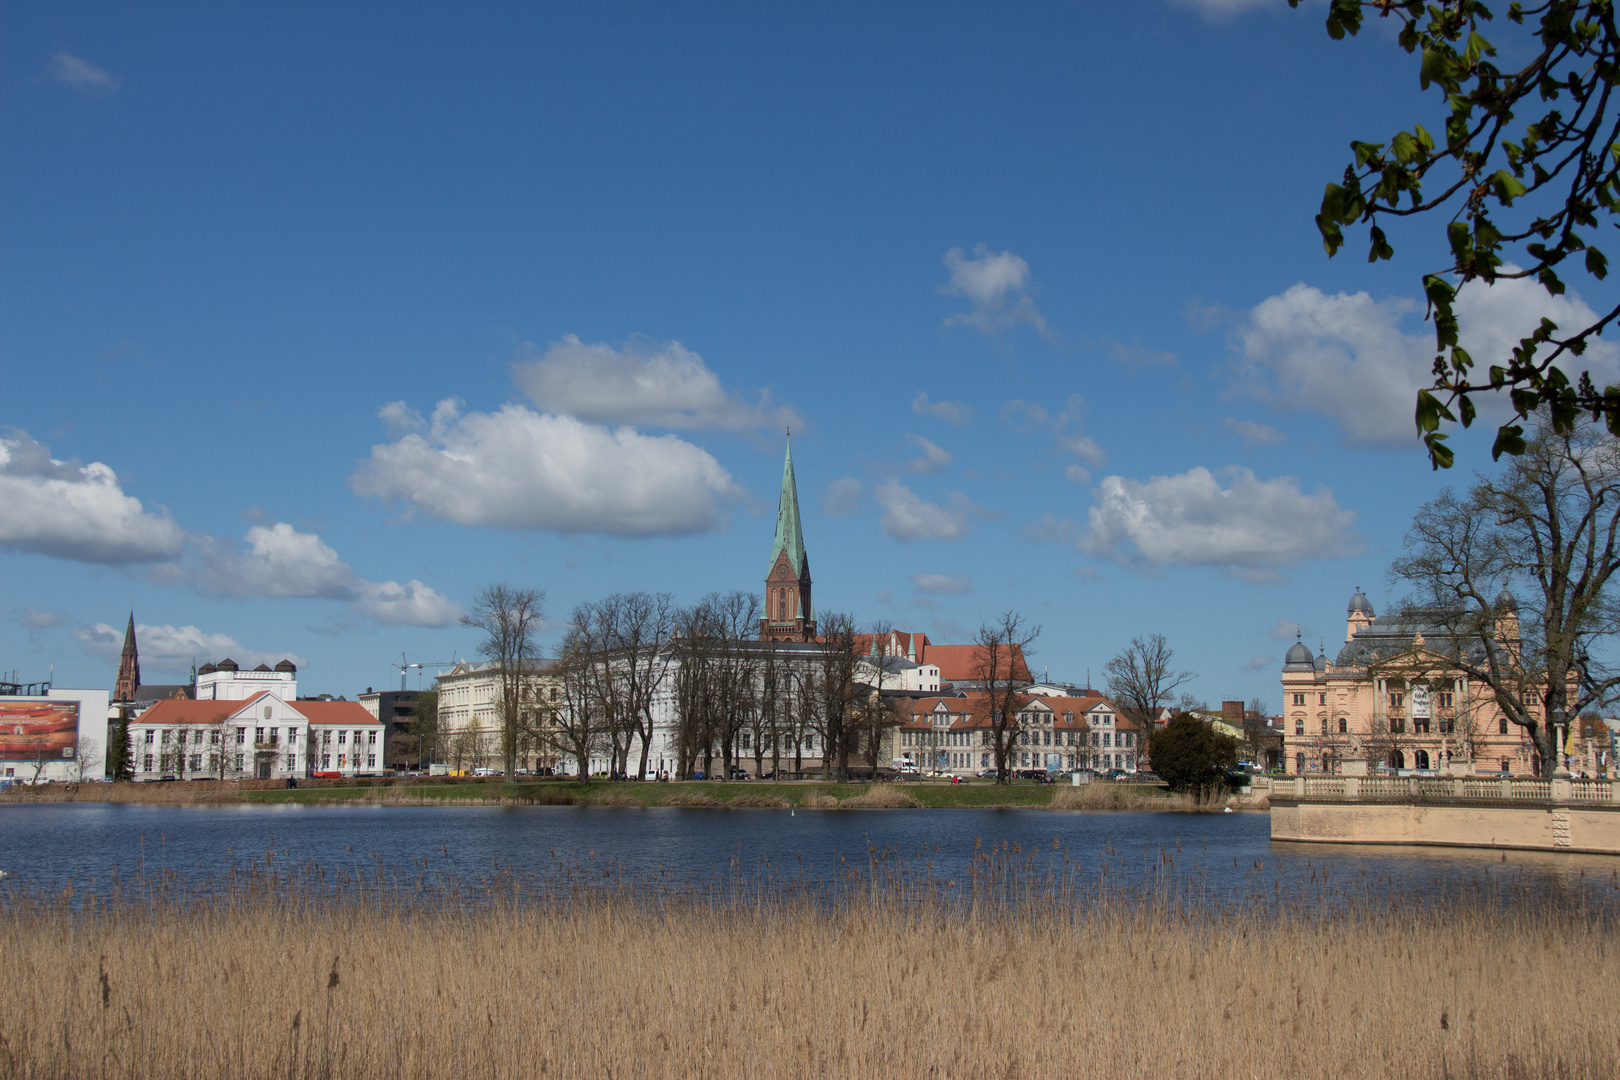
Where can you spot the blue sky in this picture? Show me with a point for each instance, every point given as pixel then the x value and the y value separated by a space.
pixel 315 319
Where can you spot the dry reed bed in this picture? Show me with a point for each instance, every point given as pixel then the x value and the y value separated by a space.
pixel 636 983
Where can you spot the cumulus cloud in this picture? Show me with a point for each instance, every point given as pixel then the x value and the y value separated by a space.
pixel 72 511
pixel 951 412
pixel 81 74
pixel 908 516
pixel 518 469
pixel 1251 528
pixel 1348 356
pixel 1254 433
pixel 1259 663
pixel 279 561
pixel 843 496
pixel 1222 10
pixel 1286 630
pixel 654 384
pixel 1068 428
pixel 34 619
pixel 933 459
pixel 995 284
pixel 1137 357
pixel 172 648
pixel 943 584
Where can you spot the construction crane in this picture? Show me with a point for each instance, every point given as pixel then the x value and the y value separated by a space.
pixel 405 666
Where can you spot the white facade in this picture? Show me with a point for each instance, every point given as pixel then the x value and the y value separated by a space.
pixel 89 752
pixel 228 683
pixel 469 715
pixel 263 737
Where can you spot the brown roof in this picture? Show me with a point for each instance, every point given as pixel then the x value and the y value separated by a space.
pixel 212 712
pixel 959 663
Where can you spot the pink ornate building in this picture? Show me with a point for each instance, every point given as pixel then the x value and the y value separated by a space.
pixel 1387 702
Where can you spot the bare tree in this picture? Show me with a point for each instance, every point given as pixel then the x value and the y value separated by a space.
pixel 1141 677
pixel 1001 667
pixel 1549 525
pixel 509 618
pixel 877 712
pixel 834 681
pixel 580 720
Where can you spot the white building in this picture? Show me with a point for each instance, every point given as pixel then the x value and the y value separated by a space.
pixel 470 721
pixel 225 681
pixel 261 737
pixel 59 735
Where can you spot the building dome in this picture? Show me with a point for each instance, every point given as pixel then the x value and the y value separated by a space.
pixel 227 664
pixel 288 666
pixel 1321 661
pixel 1506 603
pixel 262 667
pixel 1360 603
pixel 207 669
pixel 1299 658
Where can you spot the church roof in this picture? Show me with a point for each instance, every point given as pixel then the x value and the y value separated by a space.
pixel 789 531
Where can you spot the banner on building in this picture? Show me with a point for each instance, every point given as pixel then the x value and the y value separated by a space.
pixel 1420 702
pixel 38 730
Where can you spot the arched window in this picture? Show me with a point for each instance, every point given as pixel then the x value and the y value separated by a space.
pixel 1397 760
pixel 1420 758
pixel 1299 726
pixel 1342 727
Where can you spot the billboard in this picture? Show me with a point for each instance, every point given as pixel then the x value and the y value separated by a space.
pixel 39 730
pixel 1420 702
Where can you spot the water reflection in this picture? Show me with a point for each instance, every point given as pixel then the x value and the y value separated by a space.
pixel 1226 860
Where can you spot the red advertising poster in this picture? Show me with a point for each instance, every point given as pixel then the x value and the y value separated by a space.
pixel 32 730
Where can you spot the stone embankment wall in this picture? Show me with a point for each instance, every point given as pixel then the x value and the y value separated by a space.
pixel 1541 815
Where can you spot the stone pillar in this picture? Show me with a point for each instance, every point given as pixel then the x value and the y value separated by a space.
pixel 1563 790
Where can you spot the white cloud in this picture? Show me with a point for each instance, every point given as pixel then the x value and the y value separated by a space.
pixel 34 619
pixel 648 383
pixel 1347 356
pixel 72 511
pixel 410 604
pixel 1137 357
pixel 81 74
pixel 907 516
pixel 1067 428
pixel 1258 663
pixel 934 459
pixel 1252 528
pixel 951 412
pixel 517 469
pixel 172 648
pixel 843 496
pixel 995 285
pixel 1222 10
pixel 943 584
pixel 1286 630
pixel 1255 434
pixel 280 561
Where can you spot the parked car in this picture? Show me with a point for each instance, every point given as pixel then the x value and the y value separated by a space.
pixel 483 771
pixel 739 774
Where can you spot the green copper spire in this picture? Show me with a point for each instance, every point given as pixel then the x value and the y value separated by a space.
pixel 789 534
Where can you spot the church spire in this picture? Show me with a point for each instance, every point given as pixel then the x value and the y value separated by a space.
pixel 790 613
pixel 129 666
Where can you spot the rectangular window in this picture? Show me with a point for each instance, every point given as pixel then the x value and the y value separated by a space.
pixel 196 762
pixel 326 738
pixel 1321 699
pixel 258 735
pixel 1108 738
pixel 371 738
pixel 1397 700
pixel 238 762
pixel 1299 699
pixel 148 764
pixel 1445 699
pixel 292 735
pixel 166 736
pixel 149 737
pixel 342 737
pixel 371 761
pixel 1397 724
pixel 1501 725
pixel 241 736
pixel 326 761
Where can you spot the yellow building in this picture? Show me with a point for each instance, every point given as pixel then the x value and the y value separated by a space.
pixel 1388 702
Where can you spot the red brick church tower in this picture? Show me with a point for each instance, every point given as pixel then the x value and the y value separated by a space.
pixel 790 614
pixel 129 666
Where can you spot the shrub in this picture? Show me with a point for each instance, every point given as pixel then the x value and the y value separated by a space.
pixel 1189 754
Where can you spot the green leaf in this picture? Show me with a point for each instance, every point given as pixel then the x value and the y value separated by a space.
pixel 1597 264
pixel 1508 187
pixel 1365 151
pixel 1380 246
pixel 1466 409
pixel 1509 440
pixel 1440 455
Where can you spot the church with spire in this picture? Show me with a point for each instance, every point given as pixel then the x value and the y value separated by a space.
pixel 790 612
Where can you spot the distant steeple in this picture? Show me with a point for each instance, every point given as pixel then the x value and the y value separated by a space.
pixel 129 666
pixel 790 613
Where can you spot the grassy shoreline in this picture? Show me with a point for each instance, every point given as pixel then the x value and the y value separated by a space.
pixel 807 795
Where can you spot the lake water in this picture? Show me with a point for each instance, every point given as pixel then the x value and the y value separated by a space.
pixel 1220 858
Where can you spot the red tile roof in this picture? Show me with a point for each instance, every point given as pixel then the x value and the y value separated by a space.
pixel 176 711
pixel 959 663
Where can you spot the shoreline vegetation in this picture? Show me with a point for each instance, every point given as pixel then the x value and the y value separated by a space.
pixel 784 795
pixel 1016 972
